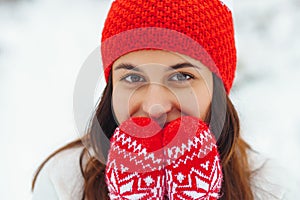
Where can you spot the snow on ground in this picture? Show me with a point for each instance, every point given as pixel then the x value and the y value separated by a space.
pixel 43 44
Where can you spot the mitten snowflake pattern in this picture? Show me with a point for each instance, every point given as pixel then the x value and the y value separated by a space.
pixel 135 161
pixel 192 162
pixel 180 161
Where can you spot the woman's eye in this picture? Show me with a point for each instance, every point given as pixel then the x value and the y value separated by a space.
pixel 181 77
pixel 133 78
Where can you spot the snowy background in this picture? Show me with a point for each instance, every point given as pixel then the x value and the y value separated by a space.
pixel 43 44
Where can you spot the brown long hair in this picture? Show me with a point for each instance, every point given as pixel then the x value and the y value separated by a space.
pixel 232 148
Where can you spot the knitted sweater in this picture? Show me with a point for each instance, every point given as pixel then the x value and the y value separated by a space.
pixel 60 178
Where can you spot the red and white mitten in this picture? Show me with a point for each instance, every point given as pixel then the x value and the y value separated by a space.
pixel 193 169
pixel 135 161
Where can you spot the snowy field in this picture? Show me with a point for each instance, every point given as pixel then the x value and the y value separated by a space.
pixel 43 44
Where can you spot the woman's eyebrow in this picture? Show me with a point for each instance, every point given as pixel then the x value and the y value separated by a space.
pixel 182 65
pixel 128 66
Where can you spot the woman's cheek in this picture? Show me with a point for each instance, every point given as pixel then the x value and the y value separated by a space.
pixel 204 99
pixel 187 102
pixel 121 104
pixel 194 101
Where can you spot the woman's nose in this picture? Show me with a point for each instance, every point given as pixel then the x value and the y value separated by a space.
pixel 157 101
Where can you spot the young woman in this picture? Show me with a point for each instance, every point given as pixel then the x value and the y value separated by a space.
pixel 173 131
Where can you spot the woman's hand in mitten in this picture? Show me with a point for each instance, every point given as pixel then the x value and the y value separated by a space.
pixel 192 166
pixel 134 167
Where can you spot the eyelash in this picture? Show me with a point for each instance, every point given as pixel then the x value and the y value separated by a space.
pixel 182 74
pixel 173 75
pixel 128 75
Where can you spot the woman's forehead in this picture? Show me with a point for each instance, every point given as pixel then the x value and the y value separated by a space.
pixel 161 57
pixel 143 57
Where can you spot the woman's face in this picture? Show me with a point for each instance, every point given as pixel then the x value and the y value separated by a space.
pixel 161 85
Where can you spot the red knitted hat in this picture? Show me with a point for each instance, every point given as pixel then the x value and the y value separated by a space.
pixel 201 29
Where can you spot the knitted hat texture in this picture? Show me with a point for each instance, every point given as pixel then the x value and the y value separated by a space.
pixel 200 29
